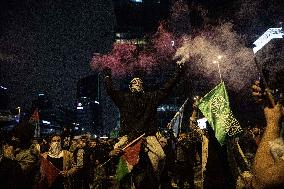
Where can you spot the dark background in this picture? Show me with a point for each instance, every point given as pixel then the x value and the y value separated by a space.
pixel 46 46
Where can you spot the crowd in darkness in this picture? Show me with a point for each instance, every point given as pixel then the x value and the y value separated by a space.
pixel 192 159
pixel 81 157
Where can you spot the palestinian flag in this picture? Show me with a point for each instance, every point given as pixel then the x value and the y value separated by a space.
pixel 34 120
pixel 128 160
pixel 49 173
pixel 35 116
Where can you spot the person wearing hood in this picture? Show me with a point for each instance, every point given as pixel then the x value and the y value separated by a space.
pixel 61 162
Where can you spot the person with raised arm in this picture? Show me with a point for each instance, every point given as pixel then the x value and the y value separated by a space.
pixel 138 114
pixel 268 167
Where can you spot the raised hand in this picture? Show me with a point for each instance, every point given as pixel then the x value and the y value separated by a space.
pixel 257 92
pixel 261 95
pixel 116 152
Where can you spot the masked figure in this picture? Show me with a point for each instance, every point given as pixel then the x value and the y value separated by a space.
pixel 138 114
pixel 57 166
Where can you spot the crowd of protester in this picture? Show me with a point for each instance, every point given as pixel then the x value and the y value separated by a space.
pixel 78 160
pixel 25 163
pixel 253 159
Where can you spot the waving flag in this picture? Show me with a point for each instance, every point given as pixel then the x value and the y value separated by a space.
pixel 34 119
pixel 128 160
pixel 48 172
pixel 216 108
pixel 175 123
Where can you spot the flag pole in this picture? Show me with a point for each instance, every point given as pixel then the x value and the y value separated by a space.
pixel 265 83
pixel 132 142
pixel 219 70
pixel 135 140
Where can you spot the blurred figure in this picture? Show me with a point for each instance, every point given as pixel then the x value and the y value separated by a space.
pixel 82 160
pixel 25 153
pixel 268 169
pixel 11 173
pixel 74 144
pixel 67 137
pixel 57 166
pixel 44 146
pixel 138 111
pixel 165 180
pixel 98 174
pixel 185 162
pixel 35 147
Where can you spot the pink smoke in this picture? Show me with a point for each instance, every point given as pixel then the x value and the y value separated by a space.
pixel 125 59
pixel 164 43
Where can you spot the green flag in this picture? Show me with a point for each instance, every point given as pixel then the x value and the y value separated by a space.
pixel 216 108
pixel 121 169
pixel 128 160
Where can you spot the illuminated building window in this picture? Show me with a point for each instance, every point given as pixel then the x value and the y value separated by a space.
pixel 131 41
pixel 137 1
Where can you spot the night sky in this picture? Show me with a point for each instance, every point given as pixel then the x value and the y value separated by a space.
pixel 46 46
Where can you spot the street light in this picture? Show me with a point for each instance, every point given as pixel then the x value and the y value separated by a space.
pixel 219 57
pixel 19 110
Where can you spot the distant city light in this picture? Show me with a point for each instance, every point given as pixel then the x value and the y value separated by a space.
pixel 76 128
pixel 46 122
pixel 2 87
pixel 137 1
pixel 161 109
pixel 40 94
pixel 80 108
pixel 164 108
pixel 97 102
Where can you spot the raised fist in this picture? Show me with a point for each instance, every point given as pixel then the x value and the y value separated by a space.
pixel 261 95
pixel 257 92
pixel 115 152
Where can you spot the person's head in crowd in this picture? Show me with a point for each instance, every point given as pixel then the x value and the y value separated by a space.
pixel 93 143
pixel 23 134
pixel 66 129
pixel 35 146
pixel 182 136
pixel 44 145
pixel 55 145
pixel 82 142
pixel 7 149
pixel 163 141
pixel 74 144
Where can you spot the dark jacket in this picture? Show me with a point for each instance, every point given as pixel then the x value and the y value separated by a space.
pixel 11 174
pixel 138 111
